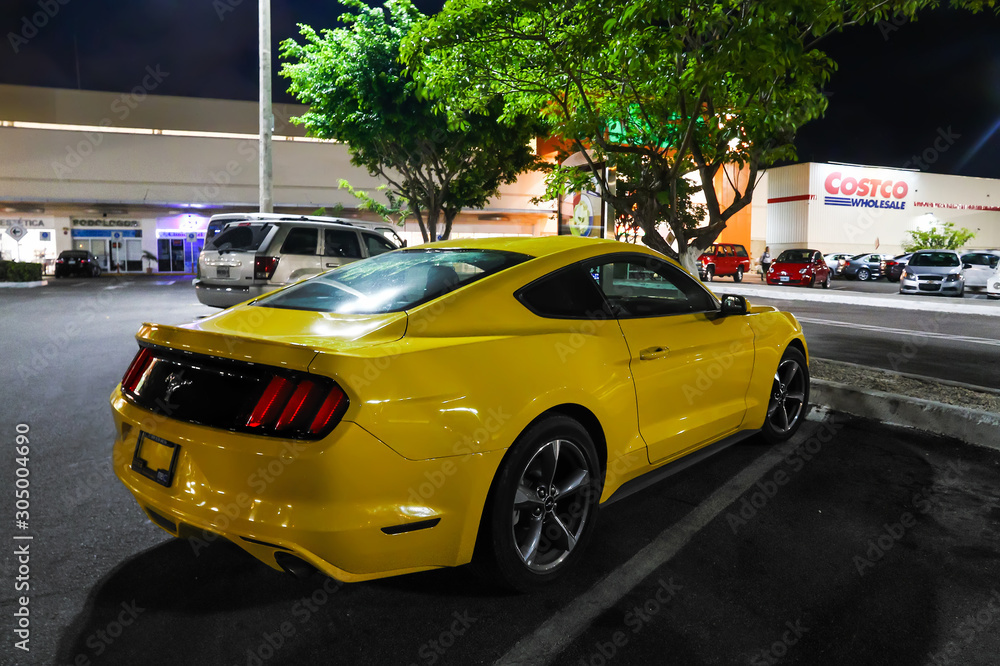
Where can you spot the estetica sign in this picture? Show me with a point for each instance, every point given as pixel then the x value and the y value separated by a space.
pixel 859 192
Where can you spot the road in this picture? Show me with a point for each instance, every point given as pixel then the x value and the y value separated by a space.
pixel 854 543
pixel 943 345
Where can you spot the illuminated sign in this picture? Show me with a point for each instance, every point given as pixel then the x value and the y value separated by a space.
pixel 865 192
pixel 106 223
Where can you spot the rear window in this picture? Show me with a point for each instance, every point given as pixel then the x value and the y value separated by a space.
pixel 73 254
pixel 937 259
pixel 393 281
pixel 240 237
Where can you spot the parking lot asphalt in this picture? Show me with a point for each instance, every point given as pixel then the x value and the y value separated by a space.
pixel 855 543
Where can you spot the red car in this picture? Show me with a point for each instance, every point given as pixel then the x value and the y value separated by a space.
pixel 724 259
pixel 800 267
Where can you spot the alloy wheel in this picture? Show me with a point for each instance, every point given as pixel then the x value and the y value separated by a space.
pixel 788 395
pixel 550 508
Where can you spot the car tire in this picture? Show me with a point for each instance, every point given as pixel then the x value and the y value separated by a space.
pixel 961 293
pixel 709 273
pixel 788 402
pixel 535 529
pixel 827 281
pixel 738 276
pixel 864 274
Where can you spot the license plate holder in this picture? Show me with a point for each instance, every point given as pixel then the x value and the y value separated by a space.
pixel 156 458
pixel 222 271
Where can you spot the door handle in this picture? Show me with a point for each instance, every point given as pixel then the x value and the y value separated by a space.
pixel 331 265
pixel 653 353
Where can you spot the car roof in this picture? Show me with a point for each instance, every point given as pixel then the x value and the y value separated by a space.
pixel 312 222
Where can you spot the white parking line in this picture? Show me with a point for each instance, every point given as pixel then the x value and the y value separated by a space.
pixel 559 631
pixel 902 331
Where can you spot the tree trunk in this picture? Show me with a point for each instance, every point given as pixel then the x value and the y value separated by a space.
pixel 688 258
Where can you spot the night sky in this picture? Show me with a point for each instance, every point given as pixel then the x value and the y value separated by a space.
pixel 902 91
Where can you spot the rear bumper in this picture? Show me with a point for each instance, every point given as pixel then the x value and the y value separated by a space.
pixel 348 504
pixel 220 296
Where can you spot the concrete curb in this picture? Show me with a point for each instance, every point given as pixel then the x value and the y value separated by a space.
pixel 23 285
pixel 972 426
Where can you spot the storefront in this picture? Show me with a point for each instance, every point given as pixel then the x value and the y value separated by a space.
pixel 851 208
pixel 28 238
pixel 179 242
pixel 117 244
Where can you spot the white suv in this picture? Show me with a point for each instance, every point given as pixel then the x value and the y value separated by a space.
pixel 254 254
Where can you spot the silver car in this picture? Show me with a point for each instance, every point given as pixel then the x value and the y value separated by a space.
pixel 933 272
pixel 248 259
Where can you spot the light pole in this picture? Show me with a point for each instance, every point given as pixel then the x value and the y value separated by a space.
pixel 266 115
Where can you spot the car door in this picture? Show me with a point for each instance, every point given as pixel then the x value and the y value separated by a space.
pixel 340 246
pixel 690 366
pixel 298 257
pixel 820 267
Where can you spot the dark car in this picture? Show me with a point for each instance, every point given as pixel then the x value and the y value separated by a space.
pixel 894 267
pixel 868 266
pixel 800 267
pixel 77 262
pixel 724 259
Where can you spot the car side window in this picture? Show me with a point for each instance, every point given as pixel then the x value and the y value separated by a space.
pixel 649 287
pixel 341 243
pixel 741 251
pixel 377 244
pixel 301 240
pixel 569 293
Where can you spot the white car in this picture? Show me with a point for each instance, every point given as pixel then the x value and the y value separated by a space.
pixel 993 284
pixel 979 266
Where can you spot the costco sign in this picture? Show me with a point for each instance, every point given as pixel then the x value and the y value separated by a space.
pixel 864 192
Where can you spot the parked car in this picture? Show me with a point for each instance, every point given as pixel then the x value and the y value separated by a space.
pixel 868 266
pixel 836 261
pixel 723 259
pixel 217 222
pixel 993 285
pixel 978 267
pixel 77 262
pixel 800 267
pixel 933 272
pixel 894 267
pixel 250 258
pixel 359 388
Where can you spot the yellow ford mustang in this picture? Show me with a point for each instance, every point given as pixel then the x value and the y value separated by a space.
pixel 466 401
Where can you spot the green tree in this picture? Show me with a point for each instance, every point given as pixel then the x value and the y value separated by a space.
pixel 359 93
pixel 659 89
pixel 943 237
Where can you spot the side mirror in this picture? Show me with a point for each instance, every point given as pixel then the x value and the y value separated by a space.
pixel 733 304
pixel 966 265
pixel 404 244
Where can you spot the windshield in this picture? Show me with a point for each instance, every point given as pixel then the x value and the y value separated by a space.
pixel 938 259
pixel 392 281
pixel 796 256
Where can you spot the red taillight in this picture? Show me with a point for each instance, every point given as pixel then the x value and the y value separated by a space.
pixel 289 406
pixel 331 407
pixel 137 369
pixel 263 267
pixel 271 402
pixel 60 260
